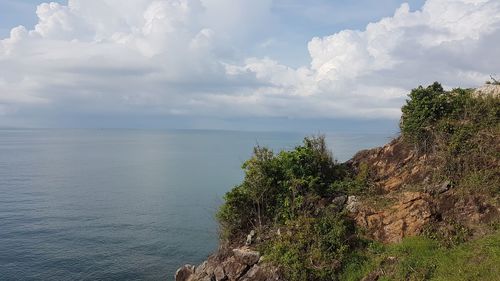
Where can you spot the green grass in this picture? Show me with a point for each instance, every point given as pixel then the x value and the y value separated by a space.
pixel 420 258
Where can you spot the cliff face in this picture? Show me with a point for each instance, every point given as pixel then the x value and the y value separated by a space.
pixel 408 199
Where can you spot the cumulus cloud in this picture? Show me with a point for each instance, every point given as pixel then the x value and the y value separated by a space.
pixel 175 57
pixel 368 73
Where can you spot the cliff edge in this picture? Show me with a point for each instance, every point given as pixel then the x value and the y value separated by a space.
pixel 418 208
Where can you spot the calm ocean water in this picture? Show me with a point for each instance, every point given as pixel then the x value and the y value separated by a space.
pixel 122 204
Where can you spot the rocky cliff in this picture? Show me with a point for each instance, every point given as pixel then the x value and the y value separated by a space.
pixel 448 191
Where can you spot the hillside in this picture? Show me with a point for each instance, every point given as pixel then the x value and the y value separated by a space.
pixel 426 206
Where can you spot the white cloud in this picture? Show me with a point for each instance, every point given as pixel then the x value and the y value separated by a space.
pixel 368 73
pixel 178 57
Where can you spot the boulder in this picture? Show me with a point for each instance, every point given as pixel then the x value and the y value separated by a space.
pixel 185 273
pixel 234 269
pixel 246 256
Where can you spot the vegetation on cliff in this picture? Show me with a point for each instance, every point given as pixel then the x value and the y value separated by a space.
pixel 281 194
pixel 456 127
pixel 317 219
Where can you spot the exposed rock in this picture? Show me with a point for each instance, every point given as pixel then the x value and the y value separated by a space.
pixel 246 256
pixel 352 204
pixel 406 217
pixel 219 274
pixel 185 273
pixel 205 271
pixel 261 273
pixel 397 174
pixel 236 265
pixel 393 165
pixel 234 269
pixel 203 278
pixel 469 211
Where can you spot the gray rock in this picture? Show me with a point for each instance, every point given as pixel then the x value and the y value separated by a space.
pixel 261 273
pixel 352 204
pixel 246 256
pixel 219 273
pixel 252 274
pixel 233 268
pixel 204 269
pixel 184 273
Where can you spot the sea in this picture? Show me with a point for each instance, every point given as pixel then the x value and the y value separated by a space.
pixel 116 204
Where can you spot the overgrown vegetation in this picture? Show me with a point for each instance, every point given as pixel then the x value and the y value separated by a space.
pixel 461 130
pixel 283 193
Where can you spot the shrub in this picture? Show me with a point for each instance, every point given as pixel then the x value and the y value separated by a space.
pixel 461 130
pixel 424 108
pixel 312 248
pixel 276 186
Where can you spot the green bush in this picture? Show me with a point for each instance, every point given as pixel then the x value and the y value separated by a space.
pixel 311 248
pixel 422 110
pixel 277 186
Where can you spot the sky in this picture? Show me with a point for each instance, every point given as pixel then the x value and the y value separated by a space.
pixel 313 65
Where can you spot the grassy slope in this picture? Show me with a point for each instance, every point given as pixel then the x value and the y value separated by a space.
pixel 420 258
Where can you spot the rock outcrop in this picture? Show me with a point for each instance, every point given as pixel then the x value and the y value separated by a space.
pixel 406 217
pixel 240 264
pixel 407 200
pixel 392 166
